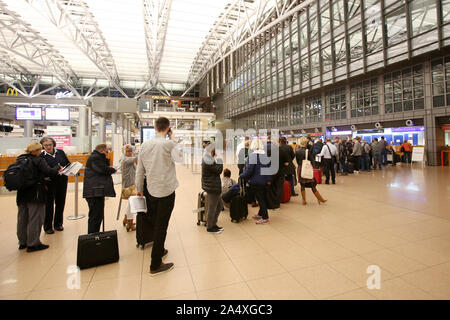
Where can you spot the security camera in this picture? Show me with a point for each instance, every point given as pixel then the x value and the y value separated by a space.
pixel 409 123
pixel 353 127
pixel 378 125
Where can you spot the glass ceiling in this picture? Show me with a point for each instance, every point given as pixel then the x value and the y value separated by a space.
pixel 121 25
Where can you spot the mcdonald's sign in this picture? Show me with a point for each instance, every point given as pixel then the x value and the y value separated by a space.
pixel 11 91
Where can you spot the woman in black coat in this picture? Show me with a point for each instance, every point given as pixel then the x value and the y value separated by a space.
pixel 212 184
pixel 31 200
pixel 97 185
pixel 56 186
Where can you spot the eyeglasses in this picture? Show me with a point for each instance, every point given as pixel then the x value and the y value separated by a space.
pixel 48 145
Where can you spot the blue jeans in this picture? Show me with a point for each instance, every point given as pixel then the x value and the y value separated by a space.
pixel 290 178
pixel 384 156
pixel 377 158
pixel 364 160
pixel 343 164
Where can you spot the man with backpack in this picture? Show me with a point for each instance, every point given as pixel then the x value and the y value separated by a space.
pixel 26 176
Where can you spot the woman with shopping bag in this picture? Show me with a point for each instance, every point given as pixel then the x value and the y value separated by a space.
pixel 306 171
pixel 128 166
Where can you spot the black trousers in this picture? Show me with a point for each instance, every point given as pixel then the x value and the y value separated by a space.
pixel 328 168
pixel 96 213
pixel 162 209
pixel 56 200
pixel 260 195
pixel 357 162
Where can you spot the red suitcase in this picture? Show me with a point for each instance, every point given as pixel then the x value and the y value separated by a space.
pixel 318 175
pixel 286 192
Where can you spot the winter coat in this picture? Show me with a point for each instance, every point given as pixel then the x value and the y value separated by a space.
pixel 97 177
pixel 243 154
pixel 38 191
pixel 252 172
pixel 211 170
pixel 286 154
pixel 300 155
pixel 357 149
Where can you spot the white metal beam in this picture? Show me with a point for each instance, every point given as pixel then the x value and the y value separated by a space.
pixel 76 22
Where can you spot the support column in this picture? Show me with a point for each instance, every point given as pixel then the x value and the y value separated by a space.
pixel 129 131
pixel 82 122
pixel 114 123
pixel 102 129
pixel 28 129
pixel 429 119
pixel 89 129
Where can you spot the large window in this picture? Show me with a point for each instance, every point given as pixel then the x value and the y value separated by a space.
pixel 303 31
pixel 297 112
pixel 327 59
pixel 364 98
pixel 340 52
pixel 335 105
pixel 440 70
pixel 313 27
pixel 271 120
pixel 313 109
pixel 445 9
pixel 355 45
pixel 283 116
pixel 353 7
pixel 338 17
pixel 404 90
pixel 374 34
pixel 423 16
pixel 396 26
pixel 324 18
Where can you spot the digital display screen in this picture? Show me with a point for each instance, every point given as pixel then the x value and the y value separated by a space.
pixel 29 113
pixel 57 114
pixel 147 133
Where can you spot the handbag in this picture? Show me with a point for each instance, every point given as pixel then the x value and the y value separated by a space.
pixel 128 192
pixel 307 169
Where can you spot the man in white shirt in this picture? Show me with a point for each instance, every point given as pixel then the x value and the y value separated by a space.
pixel 329 156
pixel 156 163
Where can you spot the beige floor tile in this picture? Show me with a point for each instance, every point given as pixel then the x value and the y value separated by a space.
pixel 358 244
pixel 205 254
pixel 438 244
pixel 59 275
pixel 257 266
pixel 280 287
pixel 125 288
pixel 21 296
pixel 275 243
pixel 393 262
pixel 188 296
pixel 422 254
pixel 231 234
pixel 18 281
pixel 242 247
pixel 358 294
pixel 443 268
pixel 329 251
pixel 291 259
pixel 398 289
pixel 173 283
pixel 59 293
pixel 355 269
pixel 238 291
pixel 323 281
pixel 384 238
pixel 331 232
pixel 197 238
pixel 305 238
pixel 176 256
pixel 130 266
pixel 432 281
pixel 214 275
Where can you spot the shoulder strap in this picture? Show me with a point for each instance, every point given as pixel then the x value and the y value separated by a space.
pixel 306 154
pixel 331 155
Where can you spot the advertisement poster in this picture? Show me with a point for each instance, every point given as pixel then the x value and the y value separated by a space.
pixel 61 141
pixel 62 135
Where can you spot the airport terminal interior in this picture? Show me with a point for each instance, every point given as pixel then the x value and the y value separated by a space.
pixel 366 81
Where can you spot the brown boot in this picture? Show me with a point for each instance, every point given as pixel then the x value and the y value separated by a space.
pixel 319 197
pixel 130 225
pixel 124 220
pixel 303 196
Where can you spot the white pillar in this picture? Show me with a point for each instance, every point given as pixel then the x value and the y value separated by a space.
pixel 28 129
pixel 82 122
pixel 102 129
pixel 114 123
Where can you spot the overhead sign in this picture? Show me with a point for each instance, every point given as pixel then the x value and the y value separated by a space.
pixel 65 94
pixel 370 131
pixel 407 129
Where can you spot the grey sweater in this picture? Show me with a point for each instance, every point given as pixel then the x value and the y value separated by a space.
pixel 357 149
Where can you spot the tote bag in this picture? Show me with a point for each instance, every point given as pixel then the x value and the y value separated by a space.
pixel 307 169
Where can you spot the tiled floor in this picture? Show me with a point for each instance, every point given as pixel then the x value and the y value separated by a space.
pixel 397 219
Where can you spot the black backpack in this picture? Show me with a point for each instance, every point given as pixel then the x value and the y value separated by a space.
pixel 20 175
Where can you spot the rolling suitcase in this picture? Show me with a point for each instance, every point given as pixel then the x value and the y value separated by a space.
pixel 350 166
pixel 202 207
pixel 272 201
pixel 144 229
pixel 287 192
pixel 145 223
pixel 239 205
pixel 318 175
pixel 96 249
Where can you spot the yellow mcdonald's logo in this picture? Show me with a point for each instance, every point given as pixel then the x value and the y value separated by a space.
pixel 11 91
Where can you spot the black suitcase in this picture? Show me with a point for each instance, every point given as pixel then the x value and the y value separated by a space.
pixel 96 249
pixel 202 207
pixel 144 229
pixel 145 224
pixel 272 201
pixel 350 166
pixel 239 205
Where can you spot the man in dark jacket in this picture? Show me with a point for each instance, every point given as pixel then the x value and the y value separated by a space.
pixel 289 170
pixel 97 185
pixel 31 200
pixel 211 183
pixel 56 187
